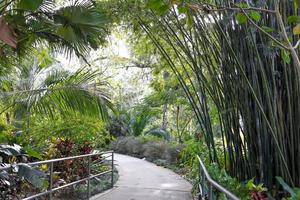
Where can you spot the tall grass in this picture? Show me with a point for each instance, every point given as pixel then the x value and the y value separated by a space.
pixel 238 69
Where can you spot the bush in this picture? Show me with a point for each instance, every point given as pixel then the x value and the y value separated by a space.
pixel 126 145
pixel 188 160
pixel 150 147
pixel 19 179
pixel 78 129
pixel 153 151
pixel 6 133
pixel 158 132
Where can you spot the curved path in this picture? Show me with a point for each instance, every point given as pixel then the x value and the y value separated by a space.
pixel 142 180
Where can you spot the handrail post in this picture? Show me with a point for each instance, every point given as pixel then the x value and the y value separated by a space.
pixel 112 169
pixel 89 180
pixel 210 194
pixel 203 183
pixel 51 181
pixel 200 183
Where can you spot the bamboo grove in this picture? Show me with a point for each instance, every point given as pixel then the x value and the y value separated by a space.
pixel 249 72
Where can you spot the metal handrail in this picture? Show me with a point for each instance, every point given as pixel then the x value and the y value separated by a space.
pixel 51 162
pixel 205 177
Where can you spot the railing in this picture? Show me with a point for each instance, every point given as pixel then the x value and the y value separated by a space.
pixel 50 163
pixel 207 184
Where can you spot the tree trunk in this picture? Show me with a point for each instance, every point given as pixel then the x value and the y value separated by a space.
pixel 7 116
pixel 164 118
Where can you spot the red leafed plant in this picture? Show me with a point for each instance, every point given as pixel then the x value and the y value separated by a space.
pixel 259 195
pixel 65 147
pixel 258 192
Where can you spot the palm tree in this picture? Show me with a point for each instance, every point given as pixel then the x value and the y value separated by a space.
pixel 69 27
pixel 50 91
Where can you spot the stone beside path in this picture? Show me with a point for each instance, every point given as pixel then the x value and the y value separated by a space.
pixel 142 180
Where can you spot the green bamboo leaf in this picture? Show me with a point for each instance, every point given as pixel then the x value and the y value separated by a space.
pixel 241 18
pixel 255 16
pixel 30 4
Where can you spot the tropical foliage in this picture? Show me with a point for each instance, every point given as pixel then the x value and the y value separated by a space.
pixel 68 27
pixel 41 102
pixel 222 82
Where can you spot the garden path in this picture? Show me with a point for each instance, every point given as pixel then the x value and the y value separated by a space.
pixel 142 180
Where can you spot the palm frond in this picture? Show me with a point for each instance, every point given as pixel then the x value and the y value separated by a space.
pixel 74 27
pixel 62 93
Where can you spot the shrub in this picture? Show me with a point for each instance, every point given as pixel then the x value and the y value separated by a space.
pixel 19 178
pixel 71 170
pixel 188 160
pixel 150 147
pixel 128 145
pixel 158 132
pixel 153 151
pixel 78 129
pixel 6 133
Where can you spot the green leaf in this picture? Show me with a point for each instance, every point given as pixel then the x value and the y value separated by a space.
pixel 242 5
pixel 155 4
pixel 296 30
pixel 297 194
pixel 30 4
pixel 255 16
pixel 158 6
pixel 241 18
pixel 267 29
pixel 67 33
pixel 33 176
pixel 182 9
pixel 293 19
pixel 285 186
pixel 10 150
pixel 189 20
pixel 285 55
pixel 250 184
pixel 162 10
pixel 32 153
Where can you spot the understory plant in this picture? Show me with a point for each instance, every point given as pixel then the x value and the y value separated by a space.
pixel 78 129
pixel 18 178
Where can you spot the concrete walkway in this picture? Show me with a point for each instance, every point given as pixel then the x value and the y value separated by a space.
pixel 142 180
